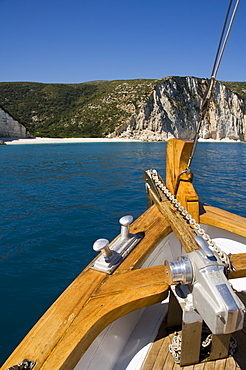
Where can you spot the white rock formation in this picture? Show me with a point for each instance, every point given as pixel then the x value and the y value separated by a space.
pixel 173 110
pixel 9 127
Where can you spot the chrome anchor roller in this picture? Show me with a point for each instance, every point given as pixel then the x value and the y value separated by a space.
pixel 212 296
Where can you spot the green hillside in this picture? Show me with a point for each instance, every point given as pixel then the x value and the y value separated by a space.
pixel 237 87
pixel 91 109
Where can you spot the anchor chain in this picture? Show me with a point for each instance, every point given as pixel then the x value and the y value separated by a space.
pixel 175 346
pixel 224 258
pixel 24 365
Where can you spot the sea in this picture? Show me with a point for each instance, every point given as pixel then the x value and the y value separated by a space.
pixel 57 199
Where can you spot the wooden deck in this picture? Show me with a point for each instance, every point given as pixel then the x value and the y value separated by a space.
pixel 160 358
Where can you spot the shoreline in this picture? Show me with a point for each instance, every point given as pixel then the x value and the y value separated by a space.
pixel 46 140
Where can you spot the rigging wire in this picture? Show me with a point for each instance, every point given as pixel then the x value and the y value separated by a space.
pixel 217 61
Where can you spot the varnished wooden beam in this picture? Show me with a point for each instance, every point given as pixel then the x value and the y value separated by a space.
pixel 225 220
pixel 177 157
pixel 239 263
pixel 178 224
pixel 119 295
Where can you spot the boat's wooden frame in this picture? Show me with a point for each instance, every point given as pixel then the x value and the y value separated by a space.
pixel 95 299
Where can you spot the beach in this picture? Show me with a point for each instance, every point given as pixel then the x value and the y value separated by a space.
pixel 47 140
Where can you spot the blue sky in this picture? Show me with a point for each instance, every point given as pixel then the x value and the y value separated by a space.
pixel 72 41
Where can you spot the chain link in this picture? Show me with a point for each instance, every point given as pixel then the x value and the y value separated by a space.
pixel 175 346
pixel 207 341
pixel 24 365
pixel 198 229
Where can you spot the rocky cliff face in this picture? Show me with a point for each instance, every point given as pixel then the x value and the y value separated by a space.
pixel 173 107
pixel 10 127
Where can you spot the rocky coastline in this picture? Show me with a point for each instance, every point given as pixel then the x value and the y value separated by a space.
pixel 172 110
pixel 152 111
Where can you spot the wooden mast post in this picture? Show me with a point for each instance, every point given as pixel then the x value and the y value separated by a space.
pixel 177 156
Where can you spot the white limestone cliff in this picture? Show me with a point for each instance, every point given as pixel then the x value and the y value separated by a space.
pixel 173 108
pixel 9 127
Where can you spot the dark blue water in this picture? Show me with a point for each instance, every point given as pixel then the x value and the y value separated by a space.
pixel 57 199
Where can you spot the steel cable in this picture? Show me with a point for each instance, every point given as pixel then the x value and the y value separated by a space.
pixel 218 58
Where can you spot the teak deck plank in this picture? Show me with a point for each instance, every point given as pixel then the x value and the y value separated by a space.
pixel 165 355
pixel 209 365
pixel 197 367
pixel 230 363
pixel 152 356
pixel 160 358
pixel 156 360
pixel 169 363
pixel 161 355
pixel 220 364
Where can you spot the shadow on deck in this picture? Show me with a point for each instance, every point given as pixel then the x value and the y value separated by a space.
pixel 159 357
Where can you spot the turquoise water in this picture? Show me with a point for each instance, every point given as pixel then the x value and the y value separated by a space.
pixel 57 199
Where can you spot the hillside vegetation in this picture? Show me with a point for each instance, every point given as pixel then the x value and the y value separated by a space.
pixel 237 87
pixel 91 109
